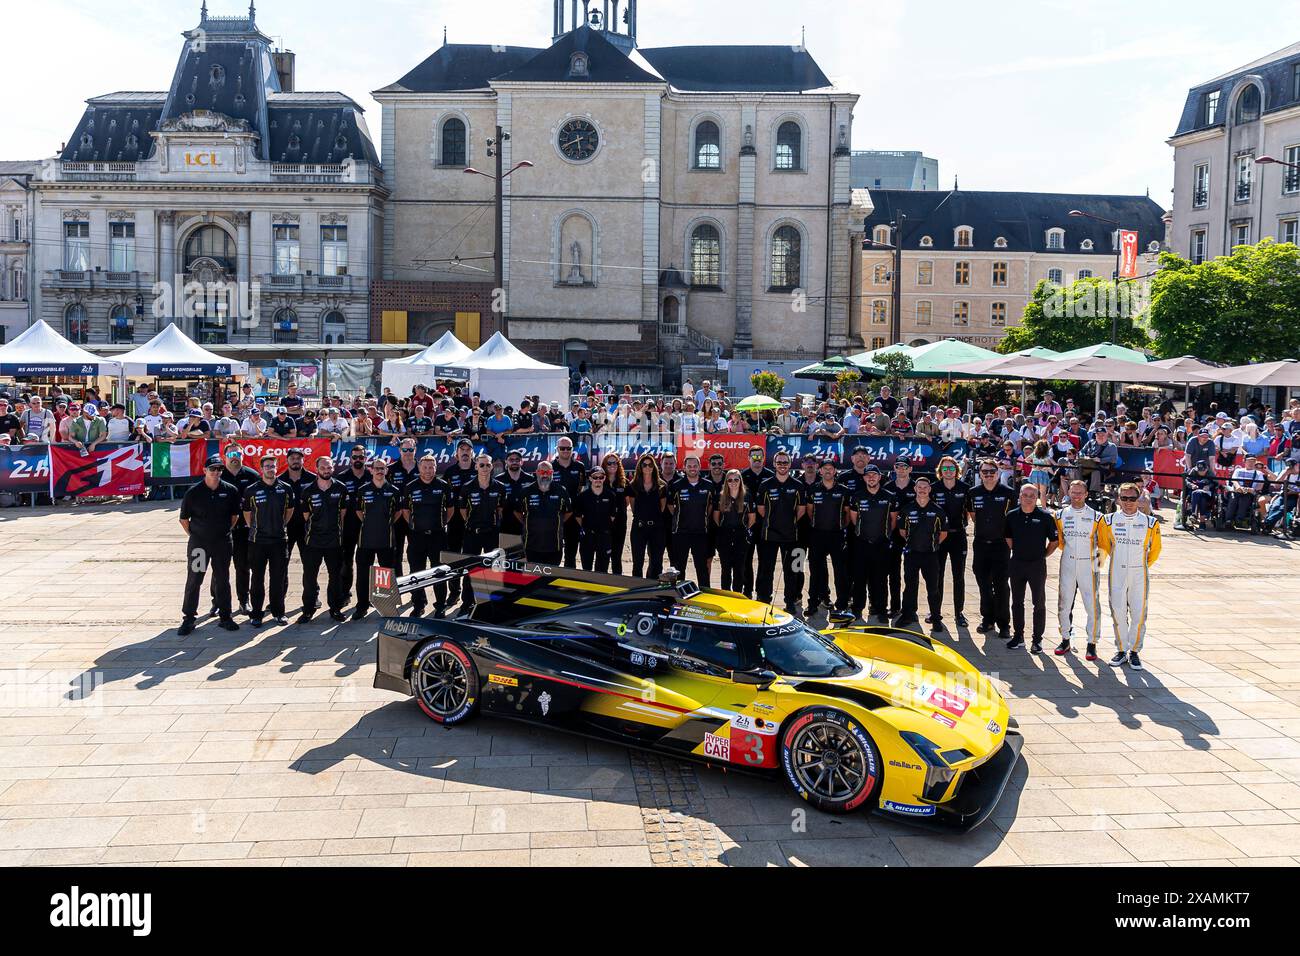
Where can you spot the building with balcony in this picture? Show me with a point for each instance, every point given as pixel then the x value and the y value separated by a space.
pixel 681 203
pixel 1222 196
pixel 15 246
pixel 233 204
pixel 971 260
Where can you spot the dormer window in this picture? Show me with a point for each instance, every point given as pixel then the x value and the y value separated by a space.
pixel 1056 238
pixel 1086 245
pixel 1248 104
pixel 880 235
pixel 578 65
pixel 963 237
pixel 1153 246
pixel 1000 242
pixel 926 242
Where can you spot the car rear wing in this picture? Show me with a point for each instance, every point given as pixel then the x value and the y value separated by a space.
pixel 506 586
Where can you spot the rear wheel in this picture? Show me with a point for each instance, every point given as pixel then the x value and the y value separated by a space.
pixel 444 681
pixel 830 760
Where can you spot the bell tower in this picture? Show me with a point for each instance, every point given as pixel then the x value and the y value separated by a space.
pixel 615 18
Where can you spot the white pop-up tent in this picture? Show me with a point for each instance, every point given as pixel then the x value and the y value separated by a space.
pixel 443 359
pixel 171 354
pixel 41 351
pixel 500 372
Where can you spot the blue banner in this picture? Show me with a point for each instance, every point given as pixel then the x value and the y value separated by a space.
pixel 24 467
pixel 882 450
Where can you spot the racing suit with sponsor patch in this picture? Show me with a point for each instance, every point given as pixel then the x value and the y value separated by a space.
pixel 1080 564
pixel 1133 543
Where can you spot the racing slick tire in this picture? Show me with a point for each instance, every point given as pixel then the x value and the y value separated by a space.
pixel 830 760
pixel 444 681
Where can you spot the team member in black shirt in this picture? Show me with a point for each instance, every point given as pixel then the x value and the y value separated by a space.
pixel 754 475
pixel 543 507
pixel 570 474
pixel 904 492
pixel 856 477
pixel 514 478
pixel 242 477
pixel 268 506
pixel 282 426
pixel 616 482
pixel 648 495
pixel 780 505
pixel 457 476
pixel 481 503
pixel 733 515
pixel 923 528
pixel 427 503
pixel 353 478
pixel 406 469
pixel 377 504
pixel 594 511
pixel 690 504
pixel 322 505
pixel 1031 535
pixel 988 504
pixel 208 511
pixel 953 497
pixel 872 511
pixel 297 478
pixel 827 514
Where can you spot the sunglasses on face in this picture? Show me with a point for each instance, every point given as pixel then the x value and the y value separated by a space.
pixel 1128 497
pixel 484 466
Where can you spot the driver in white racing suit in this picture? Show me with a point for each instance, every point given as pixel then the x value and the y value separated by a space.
pixel 1076 525
pixel 1132 539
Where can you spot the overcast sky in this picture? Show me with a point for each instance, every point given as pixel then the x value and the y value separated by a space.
pixel 1050 95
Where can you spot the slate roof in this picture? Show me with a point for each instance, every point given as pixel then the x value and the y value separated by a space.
pixel 309 134
pixel 1277 71
pixel 469 66
pixel 1022 218
pixel 113 134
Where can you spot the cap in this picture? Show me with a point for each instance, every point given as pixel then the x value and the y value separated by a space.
pixel 870 469
pixel 1205 432
pixel 213 462
pixel 465 442
pixel 294 451
pixel 514 453
pixel 862 450
pixel 195 411
pixel 259 401
pixel 265 458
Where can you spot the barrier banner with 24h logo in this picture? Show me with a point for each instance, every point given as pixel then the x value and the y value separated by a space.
pixel 101 473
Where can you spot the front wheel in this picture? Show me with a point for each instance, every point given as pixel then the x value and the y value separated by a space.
pixel 830 760
pixel 444 681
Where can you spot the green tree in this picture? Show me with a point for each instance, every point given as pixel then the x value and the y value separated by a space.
pixel 1077 315
pixel 846 383
pixel 1239 308
pixel 768 383
pixel 896 366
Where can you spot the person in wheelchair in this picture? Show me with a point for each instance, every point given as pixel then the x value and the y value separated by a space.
pixel 1200 490
pixel 1105 454
pixel 1284 508
pixel 1245 486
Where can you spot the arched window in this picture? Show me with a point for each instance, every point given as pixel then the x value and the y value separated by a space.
pixel 1056 238
pixel 120 329
pixel 210 242
pixel 785 256
pixel 76 327
pixel 880 234
pixel 789 146
pixel 286 327
pixel 1055 276
pixel 1086 245
pixel 706 256
pixel 333 328
pixel 926 242
pixel 1000 242
pixel 452 152
pixel 963 237
pixel 1248 104
pixel 1085 273
pixel 708 145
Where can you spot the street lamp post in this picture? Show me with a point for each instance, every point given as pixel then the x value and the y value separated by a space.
pixel 495 148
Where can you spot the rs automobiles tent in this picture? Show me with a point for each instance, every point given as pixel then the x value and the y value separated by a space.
pixel 171 354
pixel 499 371
pixel 41 351
pixel 445 358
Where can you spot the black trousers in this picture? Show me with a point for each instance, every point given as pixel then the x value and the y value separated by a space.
pixel 1034 575
pixel 896 548
pixel 200 557
pixel 647 543
pixel 267 559
pixel 595 550
pixel 424 550
pixel 401 534
pixel 952 552
pixel 551 558
pixel 312 558
pixel 990 564
pixel 571 536
pixel 456 543
pixel 828 545
pixel 871 563
pixel 365 558
pixel 239 556
pixel 792 578
pixel 733 546
pixel 617 544
pixel 747 568
pixel 694 547
pixel 917 565
pixel 351 532
pixel 476 541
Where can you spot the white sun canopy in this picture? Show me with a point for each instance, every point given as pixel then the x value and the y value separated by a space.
pixel 41 351
pixel 500 372
pixel 171 354
pixel 445 358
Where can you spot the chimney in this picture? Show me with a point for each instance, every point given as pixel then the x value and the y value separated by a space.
pixel 283 60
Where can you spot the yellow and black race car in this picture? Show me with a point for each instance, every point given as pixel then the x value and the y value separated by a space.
pixel 852 717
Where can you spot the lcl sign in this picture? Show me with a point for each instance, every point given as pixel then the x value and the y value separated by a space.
pixel 206 160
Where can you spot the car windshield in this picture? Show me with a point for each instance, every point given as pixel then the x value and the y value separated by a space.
pixel 799 651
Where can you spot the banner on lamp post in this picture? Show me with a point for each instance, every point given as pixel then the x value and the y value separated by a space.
pixel 1128 254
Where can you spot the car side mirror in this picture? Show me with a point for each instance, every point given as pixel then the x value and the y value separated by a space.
pixel 760 678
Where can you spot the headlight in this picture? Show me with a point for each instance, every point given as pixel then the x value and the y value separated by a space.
pixel 937 773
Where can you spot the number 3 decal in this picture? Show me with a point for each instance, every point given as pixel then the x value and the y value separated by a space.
pixel 754 751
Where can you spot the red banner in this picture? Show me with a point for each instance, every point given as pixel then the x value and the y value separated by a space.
pixel 1167 463
pixel 1128 259
pixel 255 448
pixel 734 449
pixel 100 474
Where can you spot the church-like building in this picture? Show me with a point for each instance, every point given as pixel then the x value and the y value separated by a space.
pixel 667 205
